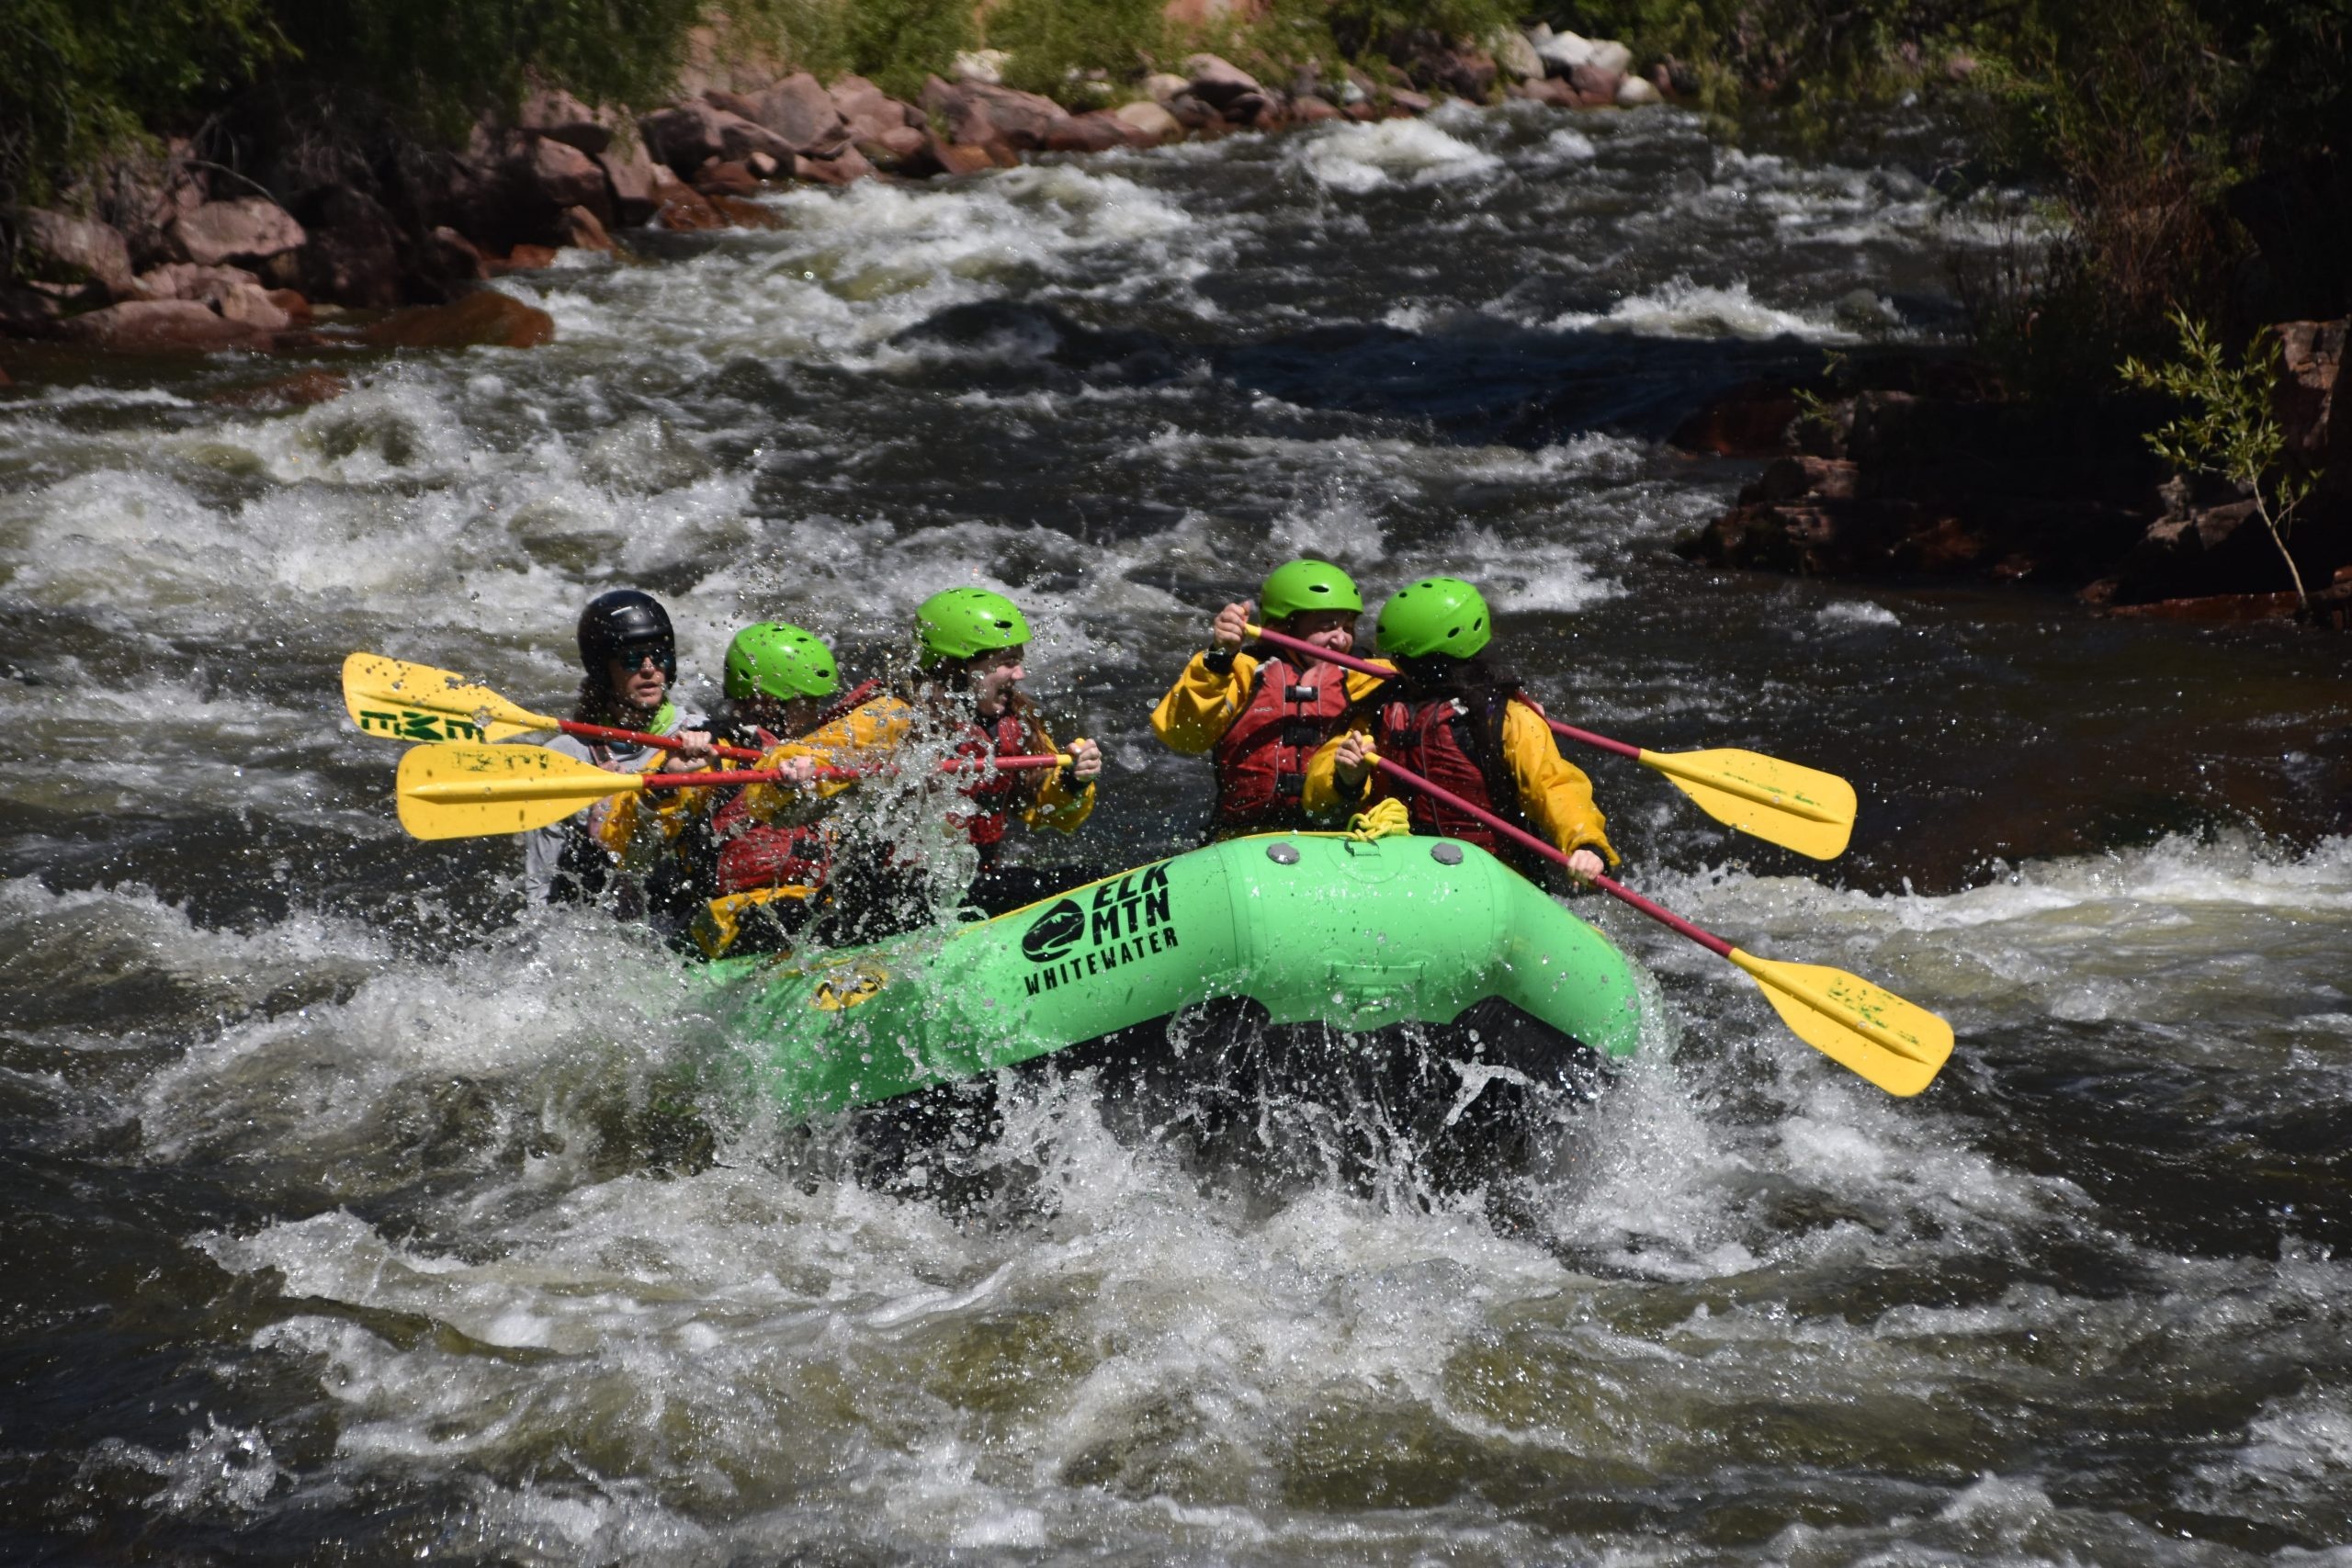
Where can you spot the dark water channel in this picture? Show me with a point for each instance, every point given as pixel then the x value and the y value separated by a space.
pixel 351 1217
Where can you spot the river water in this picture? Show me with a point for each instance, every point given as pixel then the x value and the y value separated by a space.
pixel 355 1214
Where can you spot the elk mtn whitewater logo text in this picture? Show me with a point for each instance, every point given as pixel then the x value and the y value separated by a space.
pixel 1117 922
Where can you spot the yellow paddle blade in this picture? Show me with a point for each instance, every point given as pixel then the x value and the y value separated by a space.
pixel 1865 1028
pixel 401 701
pixel 463 792
pixel 1802 809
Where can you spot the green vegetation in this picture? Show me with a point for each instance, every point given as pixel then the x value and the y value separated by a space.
pixel 1059 46
pixel 80 78
pixel 2229 430
pixel 894 43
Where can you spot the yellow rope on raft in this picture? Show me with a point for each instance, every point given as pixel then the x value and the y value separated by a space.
pixel 1383 820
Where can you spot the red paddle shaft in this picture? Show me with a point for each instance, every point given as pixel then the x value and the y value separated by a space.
pixel 658 743
pixel 745 754
pixel 1664 916
pixel 770 776
pixel 1383 673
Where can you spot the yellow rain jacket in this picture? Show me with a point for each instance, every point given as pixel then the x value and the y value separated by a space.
pixel 1202 705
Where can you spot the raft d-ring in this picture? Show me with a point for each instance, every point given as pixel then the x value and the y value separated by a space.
pixel 1283 853
pixel 861 984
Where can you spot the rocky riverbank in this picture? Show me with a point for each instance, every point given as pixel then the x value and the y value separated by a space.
pixel 1919 469
pixel 174 252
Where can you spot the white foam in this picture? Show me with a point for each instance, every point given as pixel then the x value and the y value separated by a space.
pixel 1857 613
pixel 1687 310
pixel 1360 158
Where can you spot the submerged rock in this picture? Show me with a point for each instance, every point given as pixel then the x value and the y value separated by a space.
pixel 485 319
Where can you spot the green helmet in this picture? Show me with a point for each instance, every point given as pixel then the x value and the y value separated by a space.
pixel 1437 615
pixel 957 623
pixel 1307 585
pixel 772 659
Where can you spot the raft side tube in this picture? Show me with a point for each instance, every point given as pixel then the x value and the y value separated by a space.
pixel 1312 926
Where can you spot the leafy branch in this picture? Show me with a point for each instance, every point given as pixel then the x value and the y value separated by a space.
pixel 2230 430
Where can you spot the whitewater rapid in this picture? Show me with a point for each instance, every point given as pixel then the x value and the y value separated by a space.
pixel 359 1212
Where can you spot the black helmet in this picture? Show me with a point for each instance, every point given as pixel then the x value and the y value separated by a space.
pixel 626 624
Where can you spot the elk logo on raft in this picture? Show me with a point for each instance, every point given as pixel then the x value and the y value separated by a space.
pixel 1117 921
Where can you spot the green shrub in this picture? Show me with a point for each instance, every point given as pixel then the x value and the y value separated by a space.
pixel 2230 428
pixel 1055 44
pixel 894 43
pixel 78 77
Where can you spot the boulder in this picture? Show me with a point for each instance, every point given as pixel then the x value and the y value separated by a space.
pixel 1466 73
pixel 1092 132
pixel 682 209
pixel 60 248
pixel 560 117
pixel 688 135
pixel 245 229
pixel 868 111
pixel 153 325
pixel 629 178
pixel 355 254
pixel 1410 102
pixel 717 177
pixel 1634 93
pixel 982 66
pixel 185 281
pixel 956 158
pixel 843 167
pixel 1560 52
pixel 977 115
pixel 1312 110
pixel 580 229
pixel 893 148
pixel 1514 56
pixel 522 258
pixel 1610 55
pixel 1218 83
pixel 803 113
pixel 485 319
pixel 1552 90
pixel 549 177
pixel 1594 87
pixel 255 307
pixel 448 257
pixel 1162 86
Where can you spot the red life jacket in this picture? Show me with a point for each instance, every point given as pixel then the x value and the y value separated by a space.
pixel 995 793
pixel 755 854
pixel 1261 758
pixel 1436 737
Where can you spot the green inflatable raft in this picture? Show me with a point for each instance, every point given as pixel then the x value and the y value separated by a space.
pixel 1308 928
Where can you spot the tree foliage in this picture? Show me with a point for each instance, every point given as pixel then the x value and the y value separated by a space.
pixel 2230 428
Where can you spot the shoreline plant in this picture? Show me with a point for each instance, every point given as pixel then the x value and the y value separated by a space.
pixel 2230 430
